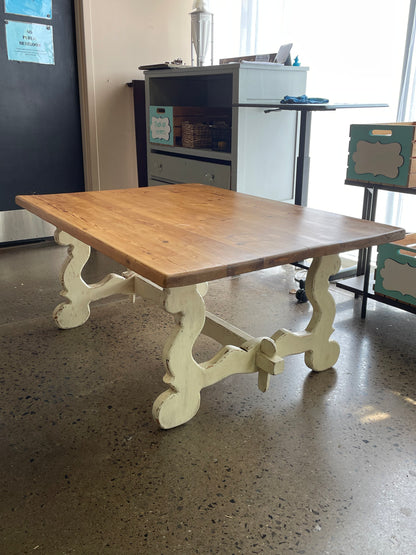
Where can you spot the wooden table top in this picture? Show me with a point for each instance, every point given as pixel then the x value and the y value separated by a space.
pixel 178 235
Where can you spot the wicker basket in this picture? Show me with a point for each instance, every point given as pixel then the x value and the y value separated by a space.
pixel 221 136
pixel 196 135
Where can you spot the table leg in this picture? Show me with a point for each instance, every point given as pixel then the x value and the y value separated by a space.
pixel 320 352
pixel 264 355
pixel 75 311
pixel 184 375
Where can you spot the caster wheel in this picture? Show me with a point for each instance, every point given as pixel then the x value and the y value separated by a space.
pixel 301 296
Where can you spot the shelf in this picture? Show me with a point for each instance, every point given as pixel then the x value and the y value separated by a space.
pixel 192 152
pixel 256 141
pixel 382 187
pixel 356 285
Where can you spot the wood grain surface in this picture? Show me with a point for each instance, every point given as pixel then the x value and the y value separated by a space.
pixel 178 235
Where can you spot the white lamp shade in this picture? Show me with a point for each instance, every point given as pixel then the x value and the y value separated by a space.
pixel 201 29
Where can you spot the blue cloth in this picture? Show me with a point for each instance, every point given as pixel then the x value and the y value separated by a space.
pixel 303 100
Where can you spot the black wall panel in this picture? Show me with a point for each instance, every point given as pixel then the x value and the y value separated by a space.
pixel 40 130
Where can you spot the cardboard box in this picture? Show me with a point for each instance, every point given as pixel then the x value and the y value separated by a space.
pixel 383 153
pixel 396 270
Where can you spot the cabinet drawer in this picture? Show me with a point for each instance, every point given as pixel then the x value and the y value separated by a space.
pixel 185 170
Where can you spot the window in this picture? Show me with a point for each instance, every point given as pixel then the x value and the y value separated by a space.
pixel 354 51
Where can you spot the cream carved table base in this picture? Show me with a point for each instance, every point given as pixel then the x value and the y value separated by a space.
pixel 241 353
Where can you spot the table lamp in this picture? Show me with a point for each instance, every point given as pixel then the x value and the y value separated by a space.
pixel 202 26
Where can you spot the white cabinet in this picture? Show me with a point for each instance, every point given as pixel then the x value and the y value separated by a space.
pixel 261 160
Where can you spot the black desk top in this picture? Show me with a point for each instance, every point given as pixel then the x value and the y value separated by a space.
pixel 308 107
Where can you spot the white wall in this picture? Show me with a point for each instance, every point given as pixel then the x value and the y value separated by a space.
pixel 119 37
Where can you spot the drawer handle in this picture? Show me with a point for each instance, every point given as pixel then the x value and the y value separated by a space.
pixel 211 177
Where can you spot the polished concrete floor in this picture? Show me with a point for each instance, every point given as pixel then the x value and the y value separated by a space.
pixel 323 463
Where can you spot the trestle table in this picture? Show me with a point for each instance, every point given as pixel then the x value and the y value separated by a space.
pixel 172 239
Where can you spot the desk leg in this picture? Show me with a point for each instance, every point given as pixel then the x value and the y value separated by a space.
pixel 303 160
